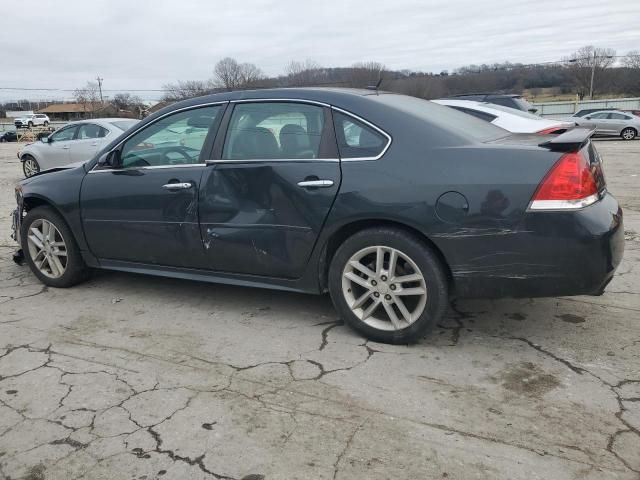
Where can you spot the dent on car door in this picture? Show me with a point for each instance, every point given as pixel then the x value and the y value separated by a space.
pixel 269 188
pixel 144 208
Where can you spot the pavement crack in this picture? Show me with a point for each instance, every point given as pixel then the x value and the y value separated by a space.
pixel 325 333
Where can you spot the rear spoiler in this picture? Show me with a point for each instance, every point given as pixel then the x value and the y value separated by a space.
pixel 570 141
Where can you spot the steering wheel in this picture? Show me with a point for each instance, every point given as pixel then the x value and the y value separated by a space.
pixel 179 150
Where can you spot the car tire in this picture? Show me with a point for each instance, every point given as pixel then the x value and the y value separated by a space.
pixel 628 133
pixel 46 124
pixel 30 124
pixel 415 261
pixel 65 270
pixel 30 166
pixel 3 140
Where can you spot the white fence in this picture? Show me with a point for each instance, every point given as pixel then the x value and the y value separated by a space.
pixel 565 109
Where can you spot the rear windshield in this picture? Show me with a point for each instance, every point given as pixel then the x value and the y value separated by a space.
pixel 512 111
pixel 445 117
pixel 124 125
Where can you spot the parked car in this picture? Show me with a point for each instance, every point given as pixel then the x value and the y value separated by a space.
pixel 33 120
pixel 616 123
pixel 74 142
pixel 515 121
pixel 586 111
pixel 9 136
pixel 390 203
pixel 505 99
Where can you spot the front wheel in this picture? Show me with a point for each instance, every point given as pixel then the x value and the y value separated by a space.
pixel 50 249
pixel 30 166
pixel 388 285
pixel 628 133
pixel 30 124
pixel 46 124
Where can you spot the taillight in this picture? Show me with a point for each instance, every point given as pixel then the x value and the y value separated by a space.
pixel 569 185
pixel 552 131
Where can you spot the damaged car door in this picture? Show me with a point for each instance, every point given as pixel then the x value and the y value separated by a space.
pixel 269 188
pixel 141 205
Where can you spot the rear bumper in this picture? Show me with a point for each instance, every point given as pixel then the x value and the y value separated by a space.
pixel 554 254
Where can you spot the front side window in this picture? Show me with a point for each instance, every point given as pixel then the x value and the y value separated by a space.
pixel 64 134
pixel 270 130
pixel 600 115
pixel 89 130
pixel 357 140
pixel 176 139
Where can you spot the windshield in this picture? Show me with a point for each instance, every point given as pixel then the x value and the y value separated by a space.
pixel 124 125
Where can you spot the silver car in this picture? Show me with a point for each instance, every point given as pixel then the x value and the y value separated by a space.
pixel 610 122
pixel 75 142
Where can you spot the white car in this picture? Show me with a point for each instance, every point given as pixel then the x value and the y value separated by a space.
pixel 32 120
pixel 75 142
pixel 512 120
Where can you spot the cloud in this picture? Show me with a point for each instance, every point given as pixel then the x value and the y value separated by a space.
pixel 144 44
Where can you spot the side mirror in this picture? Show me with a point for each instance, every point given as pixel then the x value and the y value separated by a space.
pixel 109 159
pixel 588 118
pixel 45 140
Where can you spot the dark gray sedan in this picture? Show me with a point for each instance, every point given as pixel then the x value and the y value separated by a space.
pixel 390 203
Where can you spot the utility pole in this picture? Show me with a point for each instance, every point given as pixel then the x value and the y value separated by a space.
pixel 101 79
pixel 593 71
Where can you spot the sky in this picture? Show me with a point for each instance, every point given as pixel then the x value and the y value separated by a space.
pixel 144 44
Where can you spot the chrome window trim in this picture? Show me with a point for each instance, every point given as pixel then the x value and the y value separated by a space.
pixel 270 160
pixel 369 124
pixel 150 167
pixel 131 134
pixel 284 100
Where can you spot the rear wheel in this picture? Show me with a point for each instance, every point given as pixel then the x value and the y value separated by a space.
pixel 388 285
pixel 50 249
pixel 30 124
pixel 628 133
pixel 46 124
pixel 30 166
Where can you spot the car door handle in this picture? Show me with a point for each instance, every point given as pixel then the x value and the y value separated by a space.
pixel 66 147
pixel 177 186
pixel 315 183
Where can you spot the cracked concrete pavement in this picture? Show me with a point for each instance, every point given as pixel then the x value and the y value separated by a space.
pixel 136 377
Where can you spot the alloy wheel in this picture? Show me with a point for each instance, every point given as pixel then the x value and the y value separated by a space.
pixel 47 248
pixel 384 288
pixel 628 134
pixel 31 167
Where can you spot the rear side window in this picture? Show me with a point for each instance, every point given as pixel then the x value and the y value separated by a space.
pixel 271 130
pixel 356 139
pixel 619 116
pixel 89 130
pixel 487 117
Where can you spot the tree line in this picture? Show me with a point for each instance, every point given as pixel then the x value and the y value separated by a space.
pixel 572 75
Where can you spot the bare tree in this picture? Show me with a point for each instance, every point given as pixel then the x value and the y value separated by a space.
pixel 187 89
pixel 231 75
pixel 632 60
pixel 587 66
pixel 89 97
pixel 365 74
pixel 308 72
pixel 126 101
